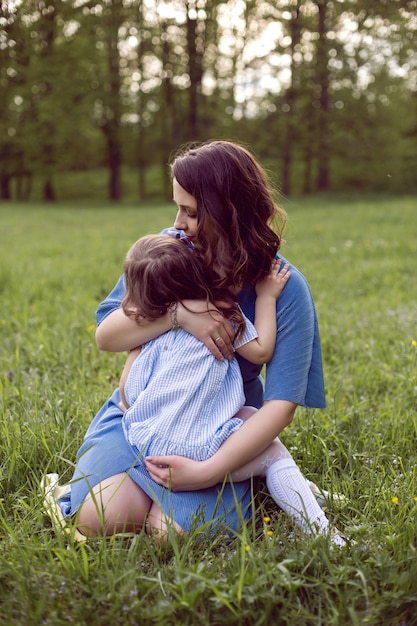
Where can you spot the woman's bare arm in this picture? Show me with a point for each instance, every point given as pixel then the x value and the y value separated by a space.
pixel 119 333
pixel 182 474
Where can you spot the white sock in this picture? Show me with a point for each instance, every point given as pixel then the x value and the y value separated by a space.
pixel 292 493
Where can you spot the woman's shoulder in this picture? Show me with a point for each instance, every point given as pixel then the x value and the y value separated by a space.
pixel 297 285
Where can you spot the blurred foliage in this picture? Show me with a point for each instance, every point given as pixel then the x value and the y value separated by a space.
pixel 323 91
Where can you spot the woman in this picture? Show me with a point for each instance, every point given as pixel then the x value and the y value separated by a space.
pixel 225 207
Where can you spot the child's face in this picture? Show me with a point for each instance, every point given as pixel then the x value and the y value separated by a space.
pixel 186 218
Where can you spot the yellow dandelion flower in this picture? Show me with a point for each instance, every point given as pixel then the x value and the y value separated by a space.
pixel 247 548
pixel 414 344
pixel 269 533
pixel 267 519
pixel 394 500
pixel 91 328
pixel 415 498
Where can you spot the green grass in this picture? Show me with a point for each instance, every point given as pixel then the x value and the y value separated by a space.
pixel 56 264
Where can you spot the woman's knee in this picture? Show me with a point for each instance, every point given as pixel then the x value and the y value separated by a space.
pixel 159 527
pixel 117 504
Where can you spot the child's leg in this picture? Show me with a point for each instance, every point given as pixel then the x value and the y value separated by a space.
pixel 292 493
pixel 258 466
pixel 287 486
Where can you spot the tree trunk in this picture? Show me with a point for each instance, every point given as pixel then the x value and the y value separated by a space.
pixel 323 111
pixel 291 101
pixel 112 124
pixel 195 51
pixel 49 191
pixel 113 145
pixel 308 157
pixel 141 157
pixel 5 187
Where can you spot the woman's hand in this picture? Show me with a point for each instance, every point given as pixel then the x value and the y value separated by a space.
pixel 208 325
pixel 255 435
pixel 178 473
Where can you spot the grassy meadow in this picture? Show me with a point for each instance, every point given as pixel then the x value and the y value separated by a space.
pixel 359 255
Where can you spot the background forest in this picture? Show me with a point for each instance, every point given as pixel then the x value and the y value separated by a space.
pixel 324 91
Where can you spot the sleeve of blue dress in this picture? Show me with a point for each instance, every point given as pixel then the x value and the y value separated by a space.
pixel 112 301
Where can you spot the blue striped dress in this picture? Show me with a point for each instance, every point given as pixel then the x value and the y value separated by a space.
pixel 182 399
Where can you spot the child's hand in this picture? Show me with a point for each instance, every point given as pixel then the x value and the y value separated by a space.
pixel 274 283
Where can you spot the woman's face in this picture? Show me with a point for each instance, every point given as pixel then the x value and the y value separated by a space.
pixel 186 218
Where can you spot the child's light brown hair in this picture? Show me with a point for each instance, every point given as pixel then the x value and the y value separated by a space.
pixel 160 270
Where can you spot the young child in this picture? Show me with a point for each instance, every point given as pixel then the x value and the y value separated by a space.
pixel 179 398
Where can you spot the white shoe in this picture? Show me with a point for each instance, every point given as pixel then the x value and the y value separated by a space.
pixel 51 491
pixel 336 539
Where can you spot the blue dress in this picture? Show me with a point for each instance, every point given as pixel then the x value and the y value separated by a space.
pixel 294 373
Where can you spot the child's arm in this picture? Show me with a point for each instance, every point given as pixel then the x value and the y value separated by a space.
pixel 124 405
pixel 260 350
pixel 118 333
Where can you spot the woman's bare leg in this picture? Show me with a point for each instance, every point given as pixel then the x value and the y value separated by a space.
pixel 117 504
pixel 157 525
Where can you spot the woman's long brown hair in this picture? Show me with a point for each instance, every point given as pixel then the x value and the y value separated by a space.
pixel 237 214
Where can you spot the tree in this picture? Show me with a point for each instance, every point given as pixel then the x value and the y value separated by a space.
pixel 10 35
pixel 322 74
pixel 103 24
pixel 295 28
pixel 195 29
pixel 315 87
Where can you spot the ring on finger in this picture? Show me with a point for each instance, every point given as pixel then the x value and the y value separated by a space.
pixel 218 339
